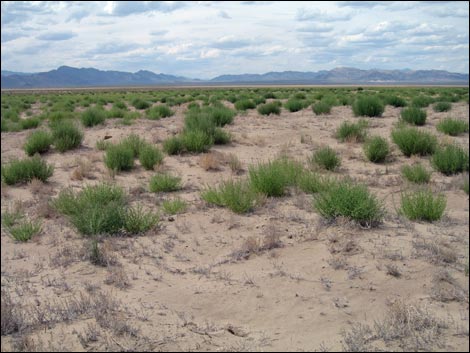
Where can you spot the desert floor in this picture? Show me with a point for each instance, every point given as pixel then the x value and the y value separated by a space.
pixel 203 280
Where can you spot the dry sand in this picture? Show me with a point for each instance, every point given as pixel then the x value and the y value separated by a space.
pixel 189 286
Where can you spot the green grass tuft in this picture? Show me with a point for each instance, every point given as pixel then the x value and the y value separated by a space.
pixel 38 142
pixel 165 183
pixel 25 170
pixel 450 160
pixel 173 145
pixel 414 115
pixel 119 157
pixel 368 106
pixel 423 205
pixel 321 107
pixel 452 127
pixel 416 174
pixel 326 158
pixel 412 141
pixel 376 149
pixel 269 108
pixel 352 132
pixel 174 206
pixel 158 112
pixel 66 135
pixel 137 220
pixel 150 156
pixel 238 196
pixel 93 116
pixel 442 107
pixel 25 230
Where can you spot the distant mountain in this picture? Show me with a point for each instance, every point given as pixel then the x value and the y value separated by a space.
pixel 66 76
pixel 347 75
pixel 9 73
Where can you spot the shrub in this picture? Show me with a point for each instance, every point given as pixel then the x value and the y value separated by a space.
pixel 274 177
pixel 38 142
pixel 197 141
pixel 321 107
pixel 326 158
pixel 344 199
pixel 421 101
pixel 173 145
pixel 245 104
pixel 135 143
pixel 450 160
pixel 416 174
pixel 311 183
pixel 102 209
pixel 221 137
pixel 22 171
pixel 269 108
pixel 423 205
pixel 164 183
pixel 93 116
pixel 412 141
pixel 238 196
pixel 174 206
pixel 119 157
pixel 150 156
pixel 368 106
pixel 294 105
pixel 395 101
pixel 140 104
pixel 158 112
pixel 25 230
pixel 413 115
pixel 376 149
pixel 442 107
pixel 66 135
pixel 103 145
pixel 30 123
pixel 352 132
pixel 137 221
pixel 452 127
pixel 115 113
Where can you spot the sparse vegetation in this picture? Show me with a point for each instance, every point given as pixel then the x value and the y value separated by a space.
pixel 423 205
pixel 24 170
pixel 353 201
pixel 376 149
pixel 452 127
pixel 368 106
pixel 412 141
pixel 174 206
pixel 416 174
pixel 165 183
pixel 413 115
pixel 451 159
pixel 352 132
pixel 66 135
pixel 38 142
pixel 119 157
pixel 238 196
pixel 326 158
pixel 158 112
pixel 25 230
pixel 93 116
pixel 150 156
pixel 269 108
pixel 442 107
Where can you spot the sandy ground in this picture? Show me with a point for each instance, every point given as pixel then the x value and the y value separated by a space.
pixel 189 286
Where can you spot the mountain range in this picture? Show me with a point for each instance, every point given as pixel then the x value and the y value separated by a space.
pixel 66 76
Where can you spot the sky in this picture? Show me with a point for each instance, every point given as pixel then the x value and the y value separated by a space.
pixel 204 39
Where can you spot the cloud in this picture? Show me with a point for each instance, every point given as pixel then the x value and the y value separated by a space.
pixel 317 14
pixel 210 53
pixel 315 28
pixel 111 48
pixel 231 42
pixel 9 36
pixel 224 14
pixel 361 4
pixel 56 36
pixel 126 8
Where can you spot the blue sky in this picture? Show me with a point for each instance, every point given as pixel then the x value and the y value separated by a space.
pixel 204 39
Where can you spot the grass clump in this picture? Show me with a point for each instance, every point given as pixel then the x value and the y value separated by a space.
pixel 66 135
pixel 174 206
pixel 368 106
pixel 450 160
pixel 274 177
pixel 245 104
pixel 25 170
pixel 38 142
pixel 103 145
pixel 355 202
pixel 102 209
pixel 416 174
pixel 135 143
pixel 352 132
pixel 93 116
pixel 29 123
pixel 413 115
pixel 422 205
pixel 158 112
pixel 238 196
pixel 321 107
pixel 412 141
pixel 326 158
pixel 421 101
pixel 465 186
pixel 452 127
pixel 197 141
pixel 269 108
pixel 294 105
pixel 165 183
pixel 376 149
pixel 173 145
pixel 149 156
pixel 119 157
pixel 221 137
pixel 139 103
pixel 25 230
pixel 442 107
pixel 311 183
pixel 137 220
pixel 395 101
